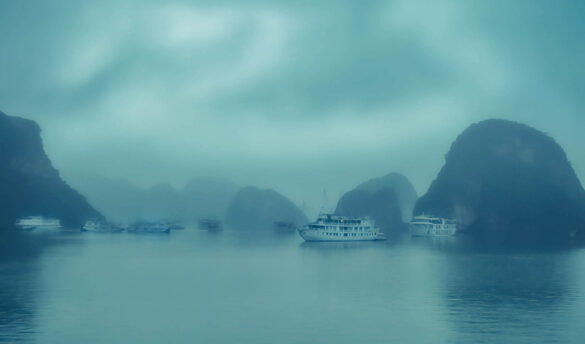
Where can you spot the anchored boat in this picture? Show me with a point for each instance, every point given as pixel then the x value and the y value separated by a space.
pixel 284 226
pixel 426 225
pixel 98 225
pixel 149 227
pixel 211 225
pixel 37 222
pixel 329 227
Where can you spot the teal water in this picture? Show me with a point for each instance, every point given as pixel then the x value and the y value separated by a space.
pixel 197 287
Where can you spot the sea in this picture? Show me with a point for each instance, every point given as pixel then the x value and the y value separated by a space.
pixel 193 286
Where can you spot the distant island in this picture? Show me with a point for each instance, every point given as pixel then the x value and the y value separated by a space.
pixel 122 201
pixel 29 183
pixel 388 200
pixel 507 183
pixel 253 208
pixel 503 182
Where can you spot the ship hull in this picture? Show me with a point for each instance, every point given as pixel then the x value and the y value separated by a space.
pixel 149 230
pixel 101 230
pixel 432 230
pixel 316 235
pixel 37 222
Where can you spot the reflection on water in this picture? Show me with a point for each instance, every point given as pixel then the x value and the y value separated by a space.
pixel 17 300
pixel 19 288
pixel 195 286
pixel 509 296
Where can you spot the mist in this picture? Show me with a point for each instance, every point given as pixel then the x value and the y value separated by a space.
pixel 163 167
pixel 285 95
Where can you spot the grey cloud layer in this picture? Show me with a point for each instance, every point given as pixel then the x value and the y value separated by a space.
pixel 286 94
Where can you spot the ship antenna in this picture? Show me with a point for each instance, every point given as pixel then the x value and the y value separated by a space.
pixel 324 203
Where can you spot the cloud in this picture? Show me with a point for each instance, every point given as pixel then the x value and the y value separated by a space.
pixel 259 91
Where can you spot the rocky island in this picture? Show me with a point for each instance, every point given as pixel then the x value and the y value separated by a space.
pixel 29 184
pixel 388 200
pixel 253 208
pixel 505 182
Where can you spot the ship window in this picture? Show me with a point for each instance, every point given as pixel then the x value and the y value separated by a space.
pixel 344 234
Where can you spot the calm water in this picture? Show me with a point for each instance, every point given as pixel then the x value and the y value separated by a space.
pixel 195 287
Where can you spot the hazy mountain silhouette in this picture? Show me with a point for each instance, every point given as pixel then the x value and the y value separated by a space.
pixel 402 188
pixel 29 184
pixel 208 197
pixel 122 201
pixel 253 208
pixel 382 206
pixel 506 182
pixel 389 200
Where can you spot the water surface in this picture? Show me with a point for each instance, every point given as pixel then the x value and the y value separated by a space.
pixel 197 287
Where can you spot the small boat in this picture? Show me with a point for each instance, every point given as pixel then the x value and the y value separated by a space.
pixel 176 226
pixel 210 225
pixel 149 227
pixel 284 226
pixel 426 225
pixel 101 226
pixel 171 224
pixel 329 227
pixel 37 222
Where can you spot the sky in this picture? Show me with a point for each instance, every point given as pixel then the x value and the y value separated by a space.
pixel 292 95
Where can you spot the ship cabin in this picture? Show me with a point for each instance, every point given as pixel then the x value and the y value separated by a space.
pixel 432 220
pixel 329 222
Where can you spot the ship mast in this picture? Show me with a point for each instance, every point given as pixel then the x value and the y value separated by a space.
pixel 325 204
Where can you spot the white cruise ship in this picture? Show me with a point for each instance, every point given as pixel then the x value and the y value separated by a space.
pixel 426 225
pixel 37 222
pixel 330 227
pixel 150 227
pixel 98 225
